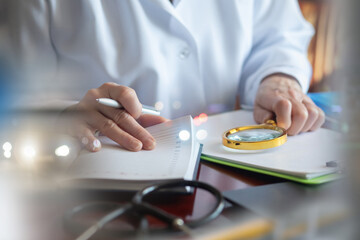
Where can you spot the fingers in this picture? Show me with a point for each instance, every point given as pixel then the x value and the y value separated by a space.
pixel 119 125
pixel 147 120
pixel 319 121
pixel 109 128
pixel 295 113
pixel 283 108
pixel 126 122
pixel 313 115
pixel 283 96
pixel 86 136
pixel 299 115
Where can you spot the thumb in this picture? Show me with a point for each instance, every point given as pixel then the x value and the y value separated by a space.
pixel 279 105
pixel 261 115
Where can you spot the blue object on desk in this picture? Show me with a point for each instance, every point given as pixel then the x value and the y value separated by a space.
pixel 328 102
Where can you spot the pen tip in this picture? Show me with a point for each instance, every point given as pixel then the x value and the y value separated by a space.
pixel 97 99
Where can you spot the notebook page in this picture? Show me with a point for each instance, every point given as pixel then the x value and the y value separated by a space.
pixel 304 155
pixel 169 160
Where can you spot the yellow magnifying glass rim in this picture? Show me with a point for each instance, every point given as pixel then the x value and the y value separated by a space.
pixel 258 145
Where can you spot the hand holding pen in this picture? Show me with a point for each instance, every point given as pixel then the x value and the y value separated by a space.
pixel 112 103
pixel 116 112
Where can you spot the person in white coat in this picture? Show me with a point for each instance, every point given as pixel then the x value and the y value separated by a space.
pixel 184 56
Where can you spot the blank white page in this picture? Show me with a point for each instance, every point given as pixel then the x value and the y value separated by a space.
pixel 169 160
pixel 304 155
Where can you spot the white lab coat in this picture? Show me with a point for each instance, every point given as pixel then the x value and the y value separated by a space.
pixel 191 57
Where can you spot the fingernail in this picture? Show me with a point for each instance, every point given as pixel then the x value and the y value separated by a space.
pixel 149 144
pixel 135 145
pixel 84 141
pixel 96 144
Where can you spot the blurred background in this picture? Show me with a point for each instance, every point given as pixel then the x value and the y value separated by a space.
pixel 334 53
pixel 323 52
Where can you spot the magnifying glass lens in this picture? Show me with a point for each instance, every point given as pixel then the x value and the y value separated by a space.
pixel 254 135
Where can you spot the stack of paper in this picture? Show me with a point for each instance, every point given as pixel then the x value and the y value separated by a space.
pixel 302 158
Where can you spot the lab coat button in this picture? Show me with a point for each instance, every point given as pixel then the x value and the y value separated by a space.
pixel 184 53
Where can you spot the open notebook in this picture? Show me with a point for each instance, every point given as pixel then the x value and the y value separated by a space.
pixel 302 158
pixel 175 157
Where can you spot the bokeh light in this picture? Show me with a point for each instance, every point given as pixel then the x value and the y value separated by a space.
pixel 29 151
pixel 203 117
pixel 62 151
pixel 7 154
pixel 176 105
pixel 201 134
pixel 7 147
pixel 184 135
pixel 197 121
pixel 159 105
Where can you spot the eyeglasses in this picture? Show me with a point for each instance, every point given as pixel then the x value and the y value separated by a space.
pixel 137 209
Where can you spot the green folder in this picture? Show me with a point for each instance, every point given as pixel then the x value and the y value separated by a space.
pixel 314 181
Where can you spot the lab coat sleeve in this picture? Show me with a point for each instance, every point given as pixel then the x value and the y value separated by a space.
pixel 280 40
pixel 29 48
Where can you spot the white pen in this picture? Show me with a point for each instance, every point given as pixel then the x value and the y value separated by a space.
pixel 112 103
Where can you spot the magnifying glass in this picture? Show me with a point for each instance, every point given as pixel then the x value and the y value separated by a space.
pixel 256 137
